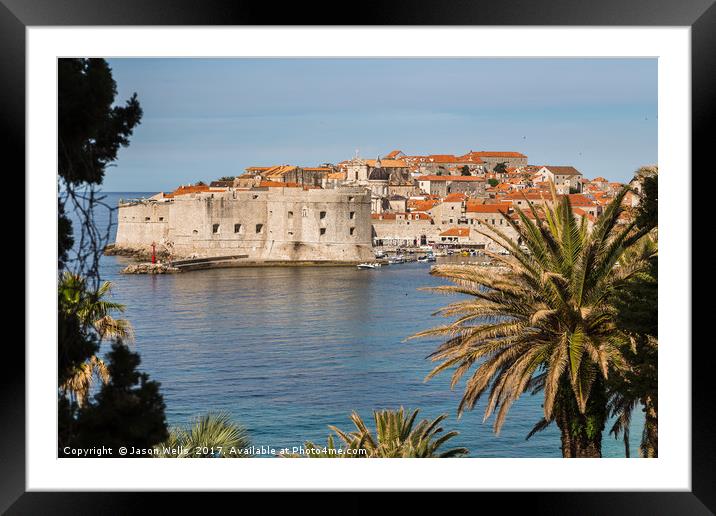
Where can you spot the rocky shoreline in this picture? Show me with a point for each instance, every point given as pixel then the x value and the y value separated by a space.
pixel 139 254
pixel 150 268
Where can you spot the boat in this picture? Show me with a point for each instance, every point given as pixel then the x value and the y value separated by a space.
pixel 397 259
pixel 368 265
pixel 423 259
pixel 431 258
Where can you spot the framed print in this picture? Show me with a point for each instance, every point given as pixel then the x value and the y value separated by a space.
pixel 431 234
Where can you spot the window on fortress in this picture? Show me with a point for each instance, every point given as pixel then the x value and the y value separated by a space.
pixel 350 199
pixel 352 231
pixel 215 228
pixel 322 215
pixel 323 231
pixel 146 219
pixel 290 214
pixel 237 228
pixel 161 219
pixel 259 228
pixel 352 215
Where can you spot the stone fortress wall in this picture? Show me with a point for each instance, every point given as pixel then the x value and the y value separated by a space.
pixel 267 224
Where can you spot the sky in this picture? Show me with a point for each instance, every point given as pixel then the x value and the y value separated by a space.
pixel 207 118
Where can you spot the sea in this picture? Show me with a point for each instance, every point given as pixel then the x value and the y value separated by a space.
pixel 288 351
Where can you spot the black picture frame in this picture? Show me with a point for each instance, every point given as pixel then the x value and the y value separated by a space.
pixel 17 15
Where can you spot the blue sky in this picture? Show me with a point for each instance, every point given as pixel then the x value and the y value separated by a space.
pixel 206 118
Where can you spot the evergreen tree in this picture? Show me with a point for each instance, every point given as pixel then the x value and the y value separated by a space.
pixel 500 168
pixel 637 316
pixel 91 130
pixel 647 212
pixel 128 411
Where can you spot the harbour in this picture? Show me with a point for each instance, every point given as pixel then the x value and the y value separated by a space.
pixel 288 351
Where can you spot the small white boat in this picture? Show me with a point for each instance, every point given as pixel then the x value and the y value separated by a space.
pixel 423 259
pixel 368 265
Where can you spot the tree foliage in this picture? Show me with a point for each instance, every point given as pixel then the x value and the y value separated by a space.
pixel 647 211
pixel 397 435
pixel 547 324
pixel 637 307
pixel 210 436
pixel 500 168
pixel 128 411
pixel 91 129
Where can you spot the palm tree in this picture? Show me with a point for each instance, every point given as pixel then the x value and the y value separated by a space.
pixel 396 436
pixel 546 324
pixel 211 435
pixel 80 383
pixel 93 311
pixel 92 308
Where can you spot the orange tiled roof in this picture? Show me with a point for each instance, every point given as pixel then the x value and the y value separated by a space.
pixel 422 205
pixel 459 232
pixel 455 197
pixel 582 213
pixel 279 171
pixel 441 158
pixel 190 189
pixel 580 200
pixel 496 154
pixel 487 208
pixel 388 163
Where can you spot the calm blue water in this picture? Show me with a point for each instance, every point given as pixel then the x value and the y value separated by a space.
pixel 288 351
